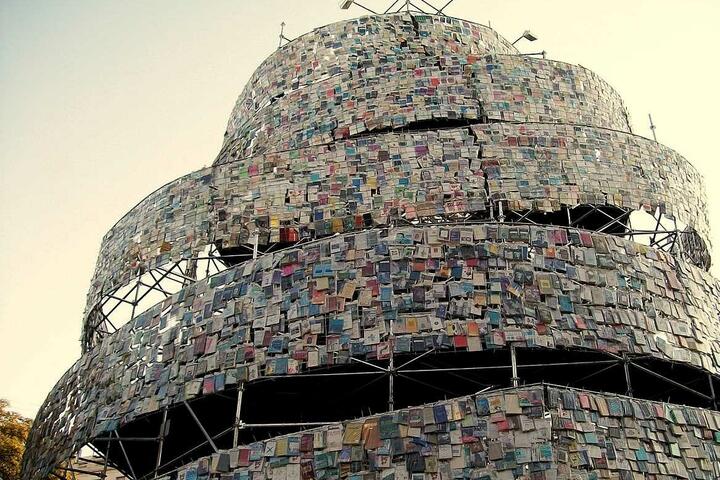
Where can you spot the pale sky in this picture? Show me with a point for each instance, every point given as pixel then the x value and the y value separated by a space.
pixel 103 101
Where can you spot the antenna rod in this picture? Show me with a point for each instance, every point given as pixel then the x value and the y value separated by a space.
pixel 282 35
pixel 652 127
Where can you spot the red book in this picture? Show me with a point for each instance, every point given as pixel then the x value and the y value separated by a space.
pixel 244 457
pixel 460 341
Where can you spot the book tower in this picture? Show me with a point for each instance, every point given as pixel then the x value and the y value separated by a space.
pixel 419 255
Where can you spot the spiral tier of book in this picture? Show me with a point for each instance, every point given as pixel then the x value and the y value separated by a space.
pixel 419 255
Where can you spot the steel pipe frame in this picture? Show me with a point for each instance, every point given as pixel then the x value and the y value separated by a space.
pixel 626 369
pixel 166 274
pixel 199 424
pixel 88 460
pixel 666 243
pixel 161 440
pixel 105 457
pixel 169 273
pixel 365 8
pixel 440 12
pixel 127 439
pixel 670 381
pixel 79 470
pixel 410 3
pixel 135 289
pixel 105 463
pixel 238 419
pixel 662 238
pixel 406 7
pixel 127 459
pixel 403 372
pixel 437 11
pixel 628 361
pixel 156 471
pixel 712 391
pixel 522 217
pixel 658 224
pixel 237 424
pixel 390 7
pixel 73 469
pixel 151 474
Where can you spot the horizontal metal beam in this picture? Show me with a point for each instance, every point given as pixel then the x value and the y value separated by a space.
pixel 126 439
pixel 187 452
pixel 287 424
pixel 507 367
pixel 79 470
pixel 670 381
pixel 311 375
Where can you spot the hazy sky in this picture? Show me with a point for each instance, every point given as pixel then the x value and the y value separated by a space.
pixel 103 101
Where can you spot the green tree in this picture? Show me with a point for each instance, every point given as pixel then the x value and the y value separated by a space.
pixel 14 430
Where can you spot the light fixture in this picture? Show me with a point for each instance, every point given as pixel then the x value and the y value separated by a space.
pixel 527 35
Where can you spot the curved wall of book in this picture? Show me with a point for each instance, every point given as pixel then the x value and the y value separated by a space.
pixel 466 288
pixel 380 73
pixel 414 190
pixel 538 432
pixel 374 181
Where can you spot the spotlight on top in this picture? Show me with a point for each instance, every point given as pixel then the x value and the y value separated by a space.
pixel 527 35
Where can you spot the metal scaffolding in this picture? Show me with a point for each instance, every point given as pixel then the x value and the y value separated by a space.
pixel 388 369
pixel 105 318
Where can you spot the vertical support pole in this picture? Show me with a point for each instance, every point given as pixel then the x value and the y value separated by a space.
pixel 137 293
pixel 712 391
pixel 238 408
pixel 513 361
pixel 190 269
pixel 282 28
pixel 256 240
pixel 127 459
pixel 161 441
pixel 207 263
pixel 657 226
pixel 652 127
pixel 391 370
pixel 628 383
pixel 675 238
pixel 107 457
pixel 71 470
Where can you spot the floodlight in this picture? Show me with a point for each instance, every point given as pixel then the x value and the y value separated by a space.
pixel 527 35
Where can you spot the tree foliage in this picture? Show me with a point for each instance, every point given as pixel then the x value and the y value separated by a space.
pixel 14 430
